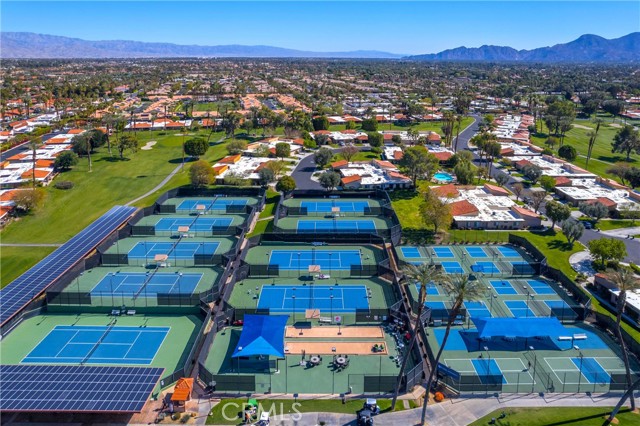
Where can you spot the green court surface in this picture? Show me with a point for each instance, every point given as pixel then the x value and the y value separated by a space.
pixel 183 203
pixel 226 220
pixel 171 355
pixel 96 284
pixel 124 246
pixel 288 376
pixel 292 223
pixel 319 207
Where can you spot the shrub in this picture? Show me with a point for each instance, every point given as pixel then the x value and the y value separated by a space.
pixel 63 184
pixel 185 418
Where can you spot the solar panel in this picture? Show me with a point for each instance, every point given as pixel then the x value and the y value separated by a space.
pixel 30 284
pixel 28 388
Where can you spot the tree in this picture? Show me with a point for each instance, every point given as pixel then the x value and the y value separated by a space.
pixel 65 160
pixel 567 152
pixel 592 141
pixel 628 211
pixel 28 200
pixel 559 112
pixel 464 173
pixel 201 174
pixel 423 275
pixel 435 211
pixel 320 123
pixel 396 139
pixel 460 288
pixel 502 179
pixel 517 189
pixel 557 212
pixel 350 125
pixel 606 249
pixel 537 197
pixel 283 150
pixel 375 139
pixel 620 170
pixel 277 167
pixel 532 172
pixel 329 180
pixel 551 142
pixel 196 147
pixel 595 211
pixel 286 184
pixel 323 156
pixel 418 163
pixel 127 142
pixel 627 140
pixel 369 125
pixel 266 176
pixel 262 151
pixel 572 230
pixel 348 152
pixel 236 147
pixel 613 107
pixel 633 177
pixel 548 183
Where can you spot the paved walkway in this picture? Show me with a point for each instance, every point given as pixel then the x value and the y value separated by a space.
pixel 622 232
pixel 581 262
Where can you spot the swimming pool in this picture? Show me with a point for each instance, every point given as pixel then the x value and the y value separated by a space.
pixel 443 177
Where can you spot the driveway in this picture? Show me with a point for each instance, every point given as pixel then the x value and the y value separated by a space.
pixel 633 246
pixel 468 133
pixel 303 172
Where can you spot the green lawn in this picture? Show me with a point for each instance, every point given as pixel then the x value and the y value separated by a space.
pixel 264 224
pixel 360 156
pixel 286 406
pixel 112 181
pixel 555 247
pixel 434 126
pixel 16 260
pixel 607 225
pixel 556 416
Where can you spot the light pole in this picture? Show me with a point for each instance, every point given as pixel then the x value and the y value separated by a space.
pixel 267 268
pixel 331 302
pixel 111 285
pixel 580 367
pixel 529 296
pixel 330 254
pixel 535 361
pixel 299 265
pixel 294 307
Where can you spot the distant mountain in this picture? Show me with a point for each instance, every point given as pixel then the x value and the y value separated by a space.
pixel 586 48
pixel 32 45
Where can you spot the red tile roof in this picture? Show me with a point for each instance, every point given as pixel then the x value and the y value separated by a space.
pixel 397 155
pixel 349 179
pixel 339 163
pixel 563 181
pixel 523 212
pixel 606 201
pixel 442 155
pixel 445 190
pixel 463 208
pixel 385 164
pixel 496 190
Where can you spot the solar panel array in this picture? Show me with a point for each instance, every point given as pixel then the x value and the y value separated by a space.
pixel 30 284
pixel 28 388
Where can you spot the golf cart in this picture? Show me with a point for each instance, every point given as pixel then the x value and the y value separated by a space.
pixel 365 418
pixel 372 405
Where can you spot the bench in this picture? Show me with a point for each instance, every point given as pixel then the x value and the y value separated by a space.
pixel 325 320
pixel 564 338
pixel 115 312
pixel 131 312
pixel 581 336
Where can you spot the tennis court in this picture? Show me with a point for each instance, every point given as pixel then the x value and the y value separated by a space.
pixel 158 283
pixel 493 370
pixel 183 249
pixel 502 287
pixel 328 206
pixel 209 204
pixel 411 252
pixel 443 252
pixel 198 224
pixel 540 287
pixel 76 344
pixel 592 369
pixel 340 298
pixel 327 260
pixel 485 267
pixel 508 252
pixel 452 268
pixel 477 309
pixel 519 308
pixel 336 226
pixel 522 268
pixel 476 252
pixel 432 289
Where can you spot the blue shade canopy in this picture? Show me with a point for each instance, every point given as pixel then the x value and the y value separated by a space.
pixel 262 335
pixel 519 327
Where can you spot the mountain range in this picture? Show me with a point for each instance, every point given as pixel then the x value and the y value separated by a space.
pixel 586 48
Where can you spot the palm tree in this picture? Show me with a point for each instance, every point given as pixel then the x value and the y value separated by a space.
pixel 625 280
pixel 34 144
pixel 592 140
pixel 423 275
pixel 627 394
pixel 460 288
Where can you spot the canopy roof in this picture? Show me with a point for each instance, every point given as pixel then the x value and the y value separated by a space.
pixel 262 335
pixel 519 327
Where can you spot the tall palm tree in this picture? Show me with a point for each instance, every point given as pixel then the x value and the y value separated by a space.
pixel 460 288
pixel 422 275
pixel 625 280
pixel 627 394
pixel 592 140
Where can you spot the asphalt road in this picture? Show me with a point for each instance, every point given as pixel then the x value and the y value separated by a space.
pixel 633 246
pixel 303 172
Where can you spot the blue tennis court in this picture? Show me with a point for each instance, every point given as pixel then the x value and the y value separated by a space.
pixel 519 308
pixel 132 283
pixel 183 250
pixel 346 298
pixel 443 252
pixel 75 344
pixel 485 267
pixel 411 252
pixel 336 225
pixel 209 204
pixel 199 224
pixel 592 370
pixel 436 305
pixel 452 268
pixel 336 260
pixel 522 268
pixel 502 287
pixel 477 309
pixel 476 252
pixel 560 308
pixel 327 206
pixel 432 289
pixel 508 252
pixel 540 287
pixel 487 370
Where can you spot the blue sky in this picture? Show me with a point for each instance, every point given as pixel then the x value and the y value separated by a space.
pixel 395 26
